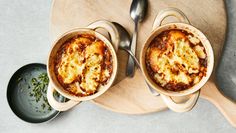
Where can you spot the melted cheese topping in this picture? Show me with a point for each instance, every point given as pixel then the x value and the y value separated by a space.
pixel 94 57
pixel 81 66
pixel 175 62
pixel 71 61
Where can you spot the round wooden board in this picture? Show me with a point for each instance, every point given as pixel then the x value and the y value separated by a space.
pixel 131 95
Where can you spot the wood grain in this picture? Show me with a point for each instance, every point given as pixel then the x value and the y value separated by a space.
pixel 131 96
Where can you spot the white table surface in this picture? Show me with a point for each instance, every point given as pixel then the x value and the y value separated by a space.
pixel 24 38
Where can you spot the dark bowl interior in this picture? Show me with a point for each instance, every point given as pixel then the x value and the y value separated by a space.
pixel 19 99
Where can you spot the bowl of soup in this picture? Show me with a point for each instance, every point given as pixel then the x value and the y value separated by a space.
pixel 82 64
pixel 177 59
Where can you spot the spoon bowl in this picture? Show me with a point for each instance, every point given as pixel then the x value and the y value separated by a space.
pixel 138 10
pixel 125 41
pixel 124 45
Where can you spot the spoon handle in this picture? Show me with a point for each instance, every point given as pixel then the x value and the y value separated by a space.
pixel 154 92
pixel 131 54
pixel 131 64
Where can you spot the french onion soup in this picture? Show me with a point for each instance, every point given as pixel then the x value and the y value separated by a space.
pixel 83 64
pixel 176 60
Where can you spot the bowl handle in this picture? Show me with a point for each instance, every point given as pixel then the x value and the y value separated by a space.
pixel 58 105
pixel 115 38
pixel 181 107
pixel 169 12
pixel 189 104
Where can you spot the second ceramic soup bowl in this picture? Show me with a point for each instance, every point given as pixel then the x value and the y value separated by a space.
pixel 183 25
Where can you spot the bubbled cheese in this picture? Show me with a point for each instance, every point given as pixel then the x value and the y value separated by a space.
pixel 70 66
pixel 80 65
pixel 177 61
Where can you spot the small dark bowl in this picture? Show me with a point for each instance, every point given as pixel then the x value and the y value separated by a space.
pixel 21 102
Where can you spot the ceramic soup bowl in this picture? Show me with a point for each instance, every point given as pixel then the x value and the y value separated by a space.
pixel 55 85
pixel 192 92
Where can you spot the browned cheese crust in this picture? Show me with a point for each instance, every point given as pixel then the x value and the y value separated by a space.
pixel 83 64
pixel 176 60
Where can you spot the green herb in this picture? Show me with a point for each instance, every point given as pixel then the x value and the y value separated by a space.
pixel 19 79
pixel 56 94
pixel 39 88
pixel 31 94
pixel 44 99
pixel 49 108
pixel 43 105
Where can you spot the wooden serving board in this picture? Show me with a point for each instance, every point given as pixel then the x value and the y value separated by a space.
pixel 131 95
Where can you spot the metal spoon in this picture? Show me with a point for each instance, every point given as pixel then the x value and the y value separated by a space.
pixel 124 45
pixel 138 11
